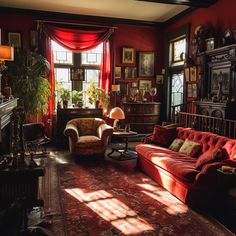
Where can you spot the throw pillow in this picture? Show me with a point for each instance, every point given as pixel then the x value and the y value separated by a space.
pixel 209 157
pixel 190 148
pixel 176 144
pixel 163 136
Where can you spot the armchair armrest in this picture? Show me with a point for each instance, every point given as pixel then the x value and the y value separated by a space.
pixel 104 131
pixel 72 132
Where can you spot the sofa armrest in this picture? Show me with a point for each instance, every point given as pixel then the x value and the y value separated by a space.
pixel 72 132
pixel 104 132
pixel 147 139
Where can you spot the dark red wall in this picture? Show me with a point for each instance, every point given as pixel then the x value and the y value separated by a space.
pixel 221 16
pixel 141 38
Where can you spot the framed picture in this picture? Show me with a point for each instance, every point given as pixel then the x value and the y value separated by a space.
pixel 130 72
pixel 146 64
pixel 159 79
pixel 189 90
pixel 145 84
pixel 192 90
pixel 14 39
pixel 220 76
pixel 186 74
pixel 117 72
pixel 193 73
pixel 123 89
pixel 77 74
pixel 34 39
pixel 128 56
pixel 134 84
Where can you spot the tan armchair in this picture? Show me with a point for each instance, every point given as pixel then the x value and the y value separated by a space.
pixel 88 136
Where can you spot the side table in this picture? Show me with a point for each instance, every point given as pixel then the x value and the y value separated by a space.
pixel 122 147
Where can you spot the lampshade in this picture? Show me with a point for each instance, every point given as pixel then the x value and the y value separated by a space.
pixel 117 113
pixel 115 88
pixel 6 53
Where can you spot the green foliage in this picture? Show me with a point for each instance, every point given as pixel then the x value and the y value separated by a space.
pixel 97 94
pixel 27 77
pixel 65 94
pixel 77 96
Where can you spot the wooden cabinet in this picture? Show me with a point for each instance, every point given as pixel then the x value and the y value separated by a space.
pixel 224 110
pixel 142 116
pixel 64 115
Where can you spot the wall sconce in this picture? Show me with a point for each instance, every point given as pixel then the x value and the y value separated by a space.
pixel 6 54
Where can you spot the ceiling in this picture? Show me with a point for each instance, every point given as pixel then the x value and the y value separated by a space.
pixel 124 9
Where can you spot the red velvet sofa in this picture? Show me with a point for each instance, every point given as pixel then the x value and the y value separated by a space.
pixel 176 172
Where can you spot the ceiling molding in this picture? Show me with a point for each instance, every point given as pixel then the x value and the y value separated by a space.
pixel 85 18
pixel 179 16
pixel 191 3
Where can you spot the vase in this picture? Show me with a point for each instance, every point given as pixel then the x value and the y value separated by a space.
pixel 65 104
pixel 96 104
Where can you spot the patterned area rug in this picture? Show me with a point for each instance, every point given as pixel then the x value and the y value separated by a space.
pixel 110 198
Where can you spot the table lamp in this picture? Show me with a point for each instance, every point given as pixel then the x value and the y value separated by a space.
pixel 6 54
pixel 117 114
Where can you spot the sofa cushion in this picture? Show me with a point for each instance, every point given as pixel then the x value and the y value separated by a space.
pixel 164 136
pixel 209 157
pixel 190 148
pixel 177 164
pixel 176 144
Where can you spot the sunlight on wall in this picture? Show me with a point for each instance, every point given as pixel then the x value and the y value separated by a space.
pixel 173 205
pixel 112 210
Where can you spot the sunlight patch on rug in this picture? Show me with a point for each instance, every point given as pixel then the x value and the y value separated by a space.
pixel 173 205
pixel 111 210
pixel 58 158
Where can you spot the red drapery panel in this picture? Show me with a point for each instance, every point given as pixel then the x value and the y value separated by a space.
pixel 78 40
pixel 105 73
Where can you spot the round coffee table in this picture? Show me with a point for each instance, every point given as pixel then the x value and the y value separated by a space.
pixel 122 147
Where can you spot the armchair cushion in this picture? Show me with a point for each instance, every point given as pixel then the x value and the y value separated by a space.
pixel 88 136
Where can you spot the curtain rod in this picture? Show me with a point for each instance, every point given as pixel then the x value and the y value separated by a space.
pixel 73 23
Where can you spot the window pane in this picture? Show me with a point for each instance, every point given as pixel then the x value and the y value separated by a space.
pixel 61 55
pixel 179 49
pixel 177 89
pixel 62 80
pixel 92 57
pixel 91 76
pixel 177 52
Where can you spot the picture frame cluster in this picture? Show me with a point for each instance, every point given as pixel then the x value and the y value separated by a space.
pixel 137 69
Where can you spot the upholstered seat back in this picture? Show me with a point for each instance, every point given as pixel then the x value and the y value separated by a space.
pixel 208 140
pixel 87 126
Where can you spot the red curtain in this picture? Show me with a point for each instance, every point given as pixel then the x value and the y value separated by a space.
pixel 78 40
pixel 105 72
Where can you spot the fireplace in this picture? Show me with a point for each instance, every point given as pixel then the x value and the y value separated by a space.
pixel 6 108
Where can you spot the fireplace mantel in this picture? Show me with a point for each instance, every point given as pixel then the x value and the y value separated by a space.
pixel 6 109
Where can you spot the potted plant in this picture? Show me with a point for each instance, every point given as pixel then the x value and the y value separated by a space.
pixel 77 98
pixel 27 78
pixel 96 95
pixel 65 96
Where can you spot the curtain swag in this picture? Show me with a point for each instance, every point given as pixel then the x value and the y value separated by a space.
pixel 77 40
